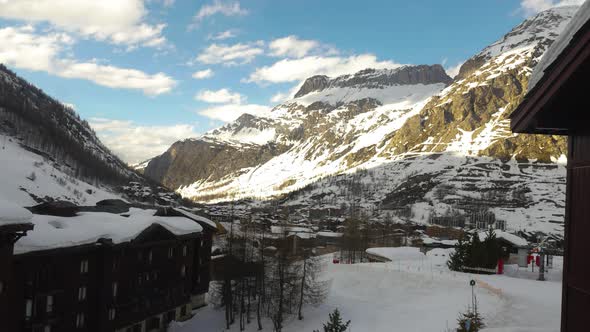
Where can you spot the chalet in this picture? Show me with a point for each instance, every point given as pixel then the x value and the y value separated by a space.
pixel 99 271
pixel 557 103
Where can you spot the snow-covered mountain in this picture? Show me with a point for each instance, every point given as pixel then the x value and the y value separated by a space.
pixel 409 138
pixel 48 153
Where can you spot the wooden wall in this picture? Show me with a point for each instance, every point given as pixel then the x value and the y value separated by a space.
pixel 576 283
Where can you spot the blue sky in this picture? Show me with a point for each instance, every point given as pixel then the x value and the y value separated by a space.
pixel 148 72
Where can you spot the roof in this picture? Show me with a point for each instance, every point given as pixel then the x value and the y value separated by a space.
pixel 515 240
pixel 556 86
pixel 397 253
pixel 11 214
pixel 52 232
pixel 201 220
pixel 329 234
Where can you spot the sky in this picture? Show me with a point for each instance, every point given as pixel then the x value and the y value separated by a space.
pixel 146 73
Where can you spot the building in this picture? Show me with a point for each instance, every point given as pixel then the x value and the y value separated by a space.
pixel 15 222
pixel 100 271
pixel 557 103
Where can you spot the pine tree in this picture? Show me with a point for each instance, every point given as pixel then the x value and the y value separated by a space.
pixel 335 323
pixel 474 318
pixel 459 258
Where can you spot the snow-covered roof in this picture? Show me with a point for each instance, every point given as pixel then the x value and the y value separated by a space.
pixel 329 234
pixel 514 239
pixel 53 232
pixel 197 218
pixel 11 213
pixel 399 253
pixel 582 16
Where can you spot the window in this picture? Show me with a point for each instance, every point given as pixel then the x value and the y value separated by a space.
pixel 49 304
pixel 170 252
pixel 184 250
pixel 29 308
pixel 84 266
pixel 82 293
pixel 150 256
pixel 47 328
pixel 1 287
pixel 115 288
pixel 80 320
pixel 115 263
pixel 183 270
pixel 183 311
pixel 112 314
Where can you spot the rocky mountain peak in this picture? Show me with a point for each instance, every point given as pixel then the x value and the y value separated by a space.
pixel 314 83
pixel 538 31
pixel 378 78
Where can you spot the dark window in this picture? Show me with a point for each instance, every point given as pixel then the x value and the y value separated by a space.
pixel 1 287
pixel 183 311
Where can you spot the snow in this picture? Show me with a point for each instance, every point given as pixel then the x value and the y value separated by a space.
pixel 582 16
pixel 397 254
pixel 514 239
pixel 415 295
pixel 11 213
pixel 52 232
pixel 50 179
pixel 329 234
pixel 196 217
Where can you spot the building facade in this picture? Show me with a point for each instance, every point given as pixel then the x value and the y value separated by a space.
pixel 139 284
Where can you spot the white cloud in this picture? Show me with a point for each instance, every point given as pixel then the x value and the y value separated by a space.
pixel 22 48
pixel 290 70
pixel 531 7
pixel 230 112
pixel 454 70
pixel 291 46
pixel 229 8
pixel 202 74
pixel 135 143
pixel 222 96
pixel 227 34
pixel 231 55
pixel 120 22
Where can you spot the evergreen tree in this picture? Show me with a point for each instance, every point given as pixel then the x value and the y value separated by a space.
pixel 460 257
pixel 491 250
pixel 335 323
pixel 474 318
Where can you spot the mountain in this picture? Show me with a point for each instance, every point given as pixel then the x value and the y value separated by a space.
pixel 48 153
pixel 408 141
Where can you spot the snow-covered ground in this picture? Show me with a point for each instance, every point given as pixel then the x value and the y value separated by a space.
pixel 417 295
pixel 25 172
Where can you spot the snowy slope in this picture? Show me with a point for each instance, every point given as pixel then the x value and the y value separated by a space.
pixel 26 175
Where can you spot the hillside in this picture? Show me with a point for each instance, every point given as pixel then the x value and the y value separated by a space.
pixel 48 153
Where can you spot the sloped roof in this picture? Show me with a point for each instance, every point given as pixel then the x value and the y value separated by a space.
pixel 52 232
